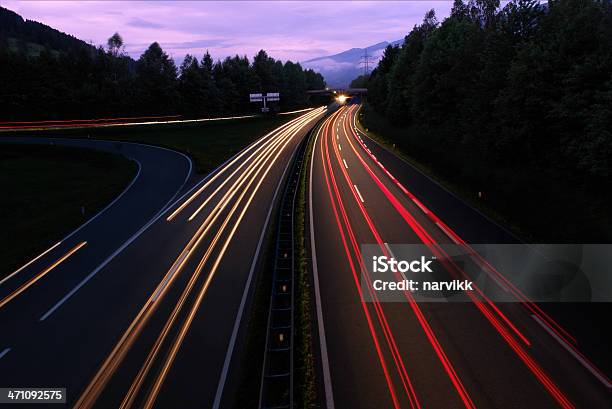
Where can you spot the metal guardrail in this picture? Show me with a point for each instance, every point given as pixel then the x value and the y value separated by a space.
pixel 276 389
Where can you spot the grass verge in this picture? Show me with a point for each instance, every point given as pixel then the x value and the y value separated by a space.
pixel 48 191
pixel 257 323
pixel 305 373
pixel 304 364
pixel 208 143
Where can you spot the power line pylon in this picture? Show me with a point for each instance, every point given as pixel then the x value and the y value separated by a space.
pixel 365 60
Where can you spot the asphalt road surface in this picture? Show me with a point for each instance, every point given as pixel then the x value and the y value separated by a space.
pixel 143 306
pixel 475 354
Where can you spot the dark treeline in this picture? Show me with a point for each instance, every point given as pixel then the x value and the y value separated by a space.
pixel 513 101
pixel 66 78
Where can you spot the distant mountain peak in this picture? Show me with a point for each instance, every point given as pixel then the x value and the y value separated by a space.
pixel 341 68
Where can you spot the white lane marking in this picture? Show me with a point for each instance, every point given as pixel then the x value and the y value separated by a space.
pixel 359 193
pixel 580 359
pixel 450 236
pixel 345 165
pixel 280 135
pixel 418 203
pixel 359 131
pixel 129 241
pixel 497 281
pixel 339 147
pixel 393 255
pixel 97 269
pixel 232 342
pixel 111 203
pixel 106 261
pixel 81 226
pixel 221 168
pixel 33 280
pixel 421 206
pixel 173 151
pixel 29 262
pixel 327 385
pixel 6 351
pixel 163 210
pixel 114 200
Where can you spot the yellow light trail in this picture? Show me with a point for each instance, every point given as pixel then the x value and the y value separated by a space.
pixel 187 323
pixel 263 141
pixel 40 275
pixel 116 356
pixel 137 383
pixel 29 262
pixel 263 155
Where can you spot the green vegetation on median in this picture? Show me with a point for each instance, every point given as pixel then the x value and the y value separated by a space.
pixel 304 363
pixel 305 374
pixel 50 190
pixel 208 143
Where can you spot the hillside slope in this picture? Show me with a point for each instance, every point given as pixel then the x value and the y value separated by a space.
pixel 340 69
pixel 31 37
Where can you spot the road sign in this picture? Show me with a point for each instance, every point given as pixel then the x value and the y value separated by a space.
pixel 273 96
pixel 270 96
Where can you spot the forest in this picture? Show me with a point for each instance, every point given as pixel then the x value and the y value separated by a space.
pixel 46 74
pixel 514 102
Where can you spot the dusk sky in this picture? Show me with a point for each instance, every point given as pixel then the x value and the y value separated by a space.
pixel 296 30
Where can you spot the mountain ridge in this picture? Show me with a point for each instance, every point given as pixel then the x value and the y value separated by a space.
pixel 341 68
pixel 32 37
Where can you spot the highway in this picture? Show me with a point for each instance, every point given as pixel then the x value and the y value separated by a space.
pixel 144 306
pixel 474 354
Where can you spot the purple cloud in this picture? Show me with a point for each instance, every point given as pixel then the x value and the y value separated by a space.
pixel 297 30
pixel 138 22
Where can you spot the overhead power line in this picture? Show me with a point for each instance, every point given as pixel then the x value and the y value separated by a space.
pixel 366 61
